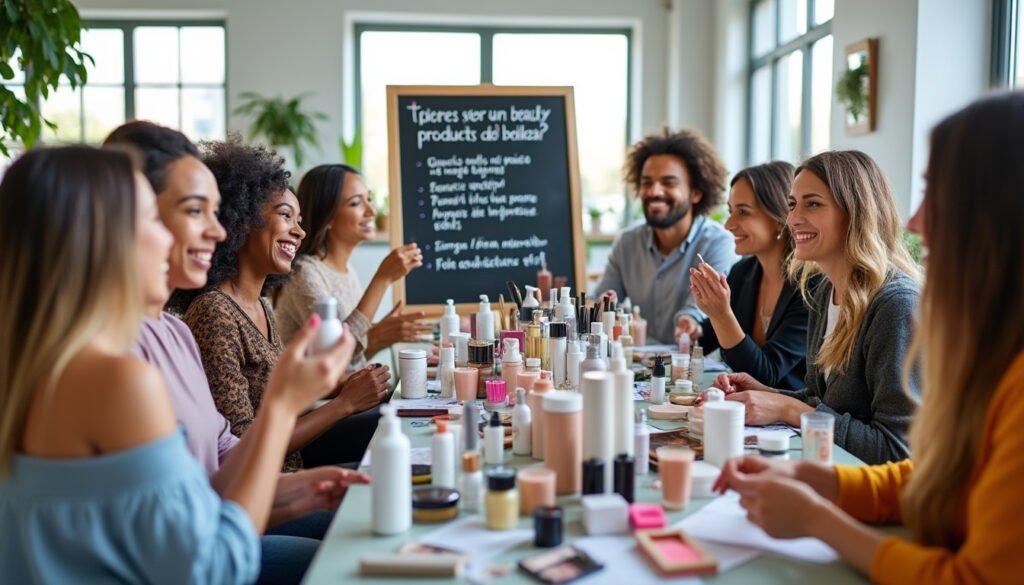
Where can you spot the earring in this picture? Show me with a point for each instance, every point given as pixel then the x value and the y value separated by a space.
pixel 778 236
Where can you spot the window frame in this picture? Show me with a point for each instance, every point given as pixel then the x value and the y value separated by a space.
pixel 487 33
pixel 1003 64
pixel 772 59
pixel 127 27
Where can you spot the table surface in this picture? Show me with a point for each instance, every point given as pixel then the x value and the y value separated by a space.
pixel 350 536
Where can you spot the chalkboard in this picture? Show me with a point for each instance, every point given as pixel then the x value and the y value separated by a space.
pixel 484 179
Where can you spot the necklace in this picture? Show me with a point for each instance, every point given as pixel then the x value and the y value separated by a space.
pixel 766 319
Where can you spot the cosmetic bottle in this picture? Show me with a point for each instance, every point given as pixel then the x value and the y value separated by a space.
pixel 642 444
pixel 597 328
pixel 511 366
pixel 639 327
pixel 544 279
pixel 449 321
pixel 470 433
pixel 331 328
pixel 658 381
pixel 521 422
pixel 622 384
pixel 494 441
pixel 481 357
pixel 697 366
pixel 446 371
pixel 442 457
pixel 597 389
pixel 471 483
pixel 485 321
pixel 533 336
pixel 502 500
pixel 563 444
pixel 391 490
pixel 530 303
pixel 535 399
pixel 595 361
pixel 556 352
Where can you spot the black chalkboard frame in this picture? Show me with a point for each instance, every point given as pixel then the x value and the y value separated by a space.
pixel 394 92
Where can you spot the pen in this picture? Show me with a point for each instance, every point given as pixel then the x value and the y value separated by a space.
pixel 701 258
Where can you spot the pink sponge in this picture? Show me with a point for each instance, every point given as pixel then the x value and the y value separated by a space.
pixel 646 516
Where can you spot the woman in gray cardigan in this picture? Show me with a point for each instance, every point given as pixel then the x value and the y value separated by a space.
pixel 845 225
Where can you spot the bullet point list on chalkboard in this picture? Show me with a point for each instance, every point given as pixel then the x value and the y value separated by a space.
pixel 421 202
pixel 419 164
pixel 423 216
pixel 421 189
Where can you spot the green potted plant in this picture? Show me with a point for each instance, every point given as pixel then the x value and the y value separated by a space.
pixel 852 91
pixel 352 152
pixel 595 219
pixel 44 36
pixel 283 123
pixel 383 210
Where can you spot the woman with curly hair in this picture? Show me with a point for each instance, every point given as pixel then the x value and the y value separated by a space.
pixel 679 180
pixel 844 222
pixel 231 318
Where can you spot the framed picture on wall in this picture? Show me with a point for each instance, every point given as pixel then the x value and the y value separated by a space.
pixel 857 88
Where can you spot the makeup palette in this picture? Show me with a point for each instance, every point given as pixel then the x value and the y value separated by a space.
pixel 675 554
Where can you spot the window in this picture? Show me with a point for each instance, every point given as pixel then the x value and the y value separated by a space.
pixel 1007 50
pixel 594 62
pixel 170 73
pixel 790 83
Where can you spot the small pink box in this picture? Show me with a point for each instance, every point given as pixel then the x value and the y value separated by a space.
pixel 646 516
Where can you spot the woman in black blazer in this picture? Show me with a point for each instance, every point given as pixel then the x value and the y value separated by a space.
pixel 755 315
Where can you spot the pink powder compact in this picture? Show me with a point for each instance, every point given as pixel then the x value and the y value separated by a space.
pixel 646 516
pixel 675 554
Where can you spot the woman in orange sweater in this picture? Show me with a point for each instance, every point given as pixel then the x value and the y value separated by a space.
pixel 961 496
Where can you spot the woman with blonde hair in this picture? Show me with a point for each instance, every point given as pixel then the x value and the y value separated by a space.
pixel 96 481
pixel 960 495
pixel 845 227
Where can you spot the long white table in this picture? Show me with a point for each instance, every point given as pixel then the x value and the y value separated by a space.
pixel 350 535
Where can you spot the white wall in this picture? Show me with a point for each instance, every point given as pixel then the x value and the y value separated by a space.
pixel 295 47
pixel 933 59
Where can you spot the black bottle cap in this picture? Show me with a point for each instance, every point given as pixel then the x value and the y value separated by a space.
pixel 501 480
pixel 659 367
pixel 495 420
pixel 593 476
pixel 624 477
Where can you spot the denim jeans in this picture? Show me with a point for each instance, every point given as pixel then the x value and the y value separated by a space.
pixel 288 549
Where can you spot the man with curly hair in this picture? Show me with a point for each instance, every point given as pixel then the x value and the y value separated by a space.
pixel 679 180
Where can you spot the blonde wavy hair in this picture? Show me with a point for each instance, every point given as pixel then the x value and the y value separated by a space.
pixel 972 303
pixel 67 271
pixel 873 244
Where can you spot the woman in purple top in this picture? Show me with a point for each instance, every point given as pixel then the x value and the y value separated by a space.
pixel 188 200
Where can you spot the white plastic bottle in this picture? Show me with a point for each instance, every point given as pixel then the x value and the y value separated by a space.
pixel 449 321
pixel 658 381
pixel 485 320
pixel 642 444
pixel 556 352
pixel 442 457
pixel 622 388
pixel 494 441
pixel 331 328
pixel 697 366
pixel 391 490
pixel 471 483
pixel 597 328
pixel 521 422
pixel 446 372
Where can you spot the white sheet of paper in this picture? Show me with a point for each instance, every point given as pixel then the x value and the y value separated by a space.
pixel 623 563
pixel 756 431
pixel 418 403
pixel 417 456
pixel 469 535
pixel 725 521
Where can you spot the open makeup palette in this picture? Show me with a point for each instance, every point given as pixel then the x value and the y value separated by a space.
pixel 675 554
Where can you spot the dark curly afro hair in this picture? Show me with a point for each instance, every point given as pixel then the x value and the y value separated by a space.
pixel 248 177
pixel 707 173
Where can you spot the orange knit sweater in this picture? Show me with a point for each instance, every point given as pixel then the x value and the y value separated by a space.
pixel 992 523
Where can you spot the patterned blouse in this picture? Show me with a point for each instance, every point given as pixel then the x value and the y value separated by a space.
pixel 237 358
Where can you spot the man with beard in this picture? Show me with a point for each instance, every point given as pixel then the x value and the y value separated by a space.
pixel 679 180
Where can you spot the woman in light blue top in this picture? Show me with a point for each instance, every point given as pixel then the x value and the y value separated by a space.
pixel 96 481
